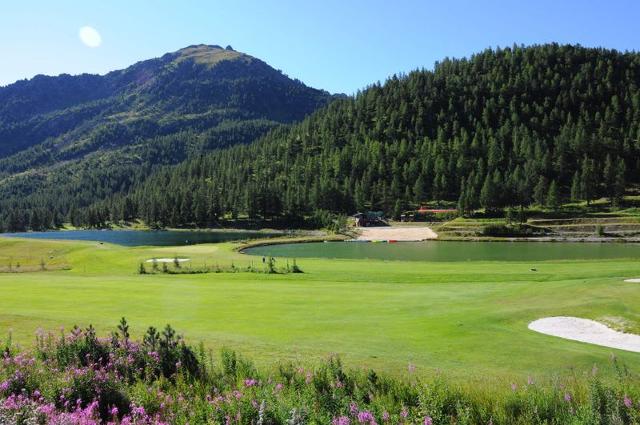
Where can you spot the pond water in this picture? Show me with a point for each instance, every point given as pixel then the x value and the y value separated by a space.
pixel 453 251
pixel 142 238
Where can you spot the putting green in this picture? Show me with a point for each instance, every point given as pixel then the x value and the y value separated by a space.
pixel 467 319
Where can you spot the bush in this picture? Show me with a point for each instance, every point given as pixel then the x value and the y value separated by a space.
pixel 335 223
pixel 518 230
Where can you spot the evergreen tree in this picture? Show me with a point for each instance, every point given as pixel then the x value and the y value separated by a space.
pixel 576 191
pixel 490 193
pixel 587 180
pixel 418 190
pixel 553 201
pixel 619 183
pixel 540 191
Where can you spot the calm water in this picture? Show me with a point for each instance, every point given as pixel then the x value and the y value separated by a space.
pixel 140 238
pixel 453 251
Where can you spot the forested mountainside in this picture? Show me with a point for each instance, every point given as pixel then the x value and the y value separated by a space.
pixel 69 141
pixel 513 126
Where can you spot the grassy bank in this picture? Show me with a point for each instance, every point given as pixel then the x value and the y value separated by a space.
pixel 598 221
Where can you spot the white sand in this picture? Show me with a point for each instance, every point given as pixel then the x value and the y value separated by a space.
pixel 168 260
pixel 632 280
pixel 404 234
pixel 585 330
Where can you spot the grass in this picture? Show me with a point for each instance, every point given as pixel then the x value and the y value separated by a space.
pixel 468 320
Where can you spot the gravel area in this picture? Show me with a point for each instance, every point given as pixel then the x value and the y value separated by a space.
pixel 400 234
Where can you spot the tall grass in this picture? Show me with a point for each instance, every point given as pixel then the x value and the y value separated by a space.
pixel 77 377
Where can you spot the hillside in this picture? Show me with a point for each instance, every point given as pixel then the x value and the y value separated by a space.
pixel 510 127
pixel 71 140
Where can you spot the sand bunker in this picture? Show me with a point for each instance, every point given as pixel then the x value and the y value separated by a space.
pixel 632 280
pixel 168 260
pixel 400 234
pixel 585 330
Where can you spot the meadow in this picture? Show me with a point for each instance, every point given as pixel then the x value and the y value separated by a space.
pixel 466 320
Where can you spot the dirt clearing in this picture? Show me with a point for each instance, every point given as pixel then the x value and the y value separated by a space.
pixel 400 234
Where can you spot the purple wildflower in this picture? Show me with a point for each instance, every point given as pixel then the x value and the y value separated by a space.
pixel 353 408
pixel 340 420
pixel 366 417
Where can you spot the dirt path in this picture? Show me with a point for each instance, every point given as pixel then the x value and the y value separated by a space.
pixel 585 330
pixel 400 234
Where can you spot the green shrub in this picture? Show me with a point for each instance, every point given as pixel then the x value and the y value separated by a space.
pixel 518 230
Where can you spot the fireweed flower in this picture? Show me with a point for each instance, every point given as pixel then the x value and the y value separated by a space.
pixel 340 420
pixel 385 416
pixel 428 421
pixel 353 408
pixel 567 397
pixel 627 402
pixel 404 412
pixel 366 417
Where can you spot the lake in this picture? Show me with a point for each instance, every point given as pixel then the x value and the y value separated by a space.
pixel 453 251
pixel 142 238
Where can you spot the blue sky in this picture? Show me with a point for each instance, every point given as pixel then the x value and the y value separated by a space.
pixel 340 46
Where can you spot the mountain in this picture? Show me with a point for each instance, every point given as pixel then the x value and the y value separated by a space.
pixel 506 127
pixel 78 139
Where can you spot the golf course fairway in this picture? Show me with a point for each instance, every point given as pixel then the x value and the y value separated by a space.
pixel 466 319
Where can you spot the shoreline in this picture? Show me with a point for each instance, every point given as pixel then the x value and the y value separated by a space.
pixel 302 235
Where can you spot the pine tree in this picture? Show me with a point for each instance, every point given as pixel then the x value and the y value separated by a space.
pixel 609 176
pixel 462 205
pixel 587 180
pixel 619 183
pixel 552 201
pixel 540 191
pixel 576 193
pixel 397 209
pixel 418 190
pixel 489 195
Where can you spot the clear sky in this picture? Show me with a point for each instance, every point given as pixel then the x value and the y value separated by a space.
pixel 337 45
